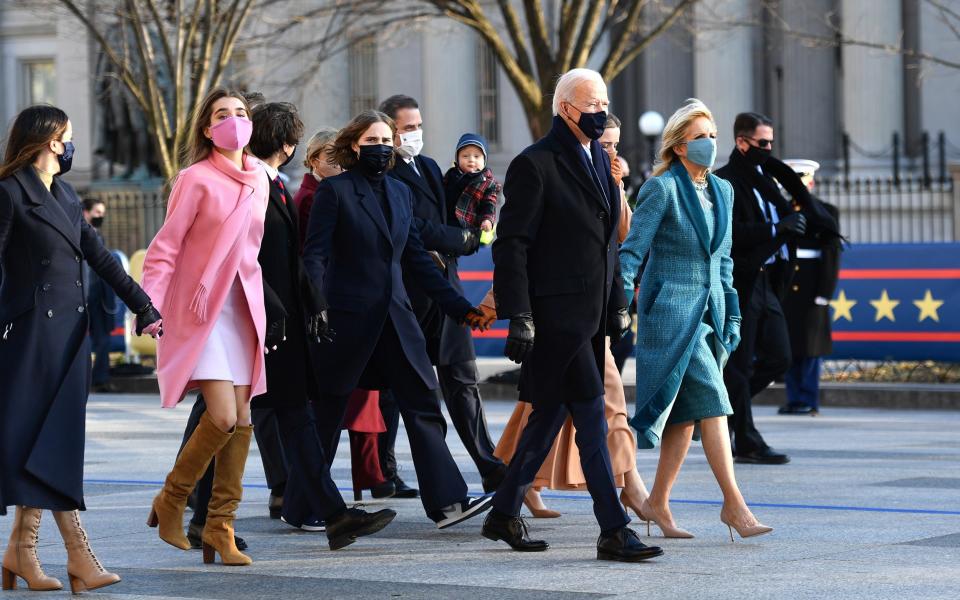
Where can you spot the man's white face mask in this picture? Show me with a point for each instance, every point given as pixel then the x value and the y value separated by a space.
pixel 411 143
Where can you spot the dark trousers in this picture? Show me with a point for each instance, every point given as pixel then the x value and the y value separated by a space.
pixel 266 432
pixel 387 439
pixel 803 382
pixel 310 489
pixel 762 357
pixel 537 438
pixel 461 393
pixel 440 481
pixel 100 328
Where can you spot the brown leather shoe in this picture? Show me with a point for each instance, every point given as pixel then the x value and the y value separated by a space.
pixel 225 497
pixel 20 559
pixel 83 568
pixel 168 506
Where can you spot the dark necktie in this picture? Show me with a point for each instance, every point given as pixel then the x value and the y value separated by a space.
pixel 283 190
pixel 596 177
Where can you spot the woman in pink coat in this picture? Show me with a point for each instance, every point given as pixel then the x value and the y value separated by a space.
pixel 203 273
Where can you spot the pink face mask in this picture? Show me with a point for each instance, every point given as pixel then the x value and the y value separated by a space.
pixel 232 133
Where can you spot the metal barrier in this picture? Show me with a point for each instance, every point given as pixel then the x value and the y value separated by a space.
pixel 913 210
pixel 134 213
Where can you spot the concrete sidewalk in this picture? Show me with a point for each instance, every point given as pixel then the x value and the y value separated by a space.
pixel 868 508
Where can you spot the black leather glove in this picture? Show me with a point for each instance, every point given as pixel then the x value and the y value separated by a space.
pixel 618 324
pixel 147 316
pixel 276 333
pixel 793 224
pixel 519 338
pixel 471 241
pixel 318 327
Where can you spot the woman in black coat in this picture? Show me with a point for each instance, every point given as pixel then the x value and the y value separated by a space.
pixel 44 349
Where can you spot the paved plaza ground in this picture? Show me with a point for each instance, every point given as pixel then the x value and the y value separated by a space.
pixel 868 508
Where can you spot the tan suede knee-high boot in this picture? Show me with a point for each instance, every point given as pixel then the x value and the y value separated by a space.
pixel 20 559
pixel 225 498
pixel 83 568
pixel 168 506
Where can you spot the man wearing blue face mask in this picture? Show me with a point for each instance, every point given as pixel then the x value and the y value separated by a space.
pixel 765 230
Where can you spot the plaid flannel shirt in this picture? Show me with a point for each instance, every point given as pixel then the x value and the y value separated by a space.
pixel 478 202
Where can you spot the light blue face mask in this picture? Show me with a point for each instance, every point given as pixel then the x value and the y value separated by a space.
pixel 702 151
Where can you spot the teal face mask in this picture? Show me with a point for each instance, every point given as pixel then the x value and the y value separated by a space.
pixel 702 151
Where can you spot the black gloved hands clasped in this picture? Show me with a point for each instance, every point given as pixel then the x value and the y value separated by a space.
pixel 149 320
pixel 276 333
pixel 519 338
pixel 618 324
pixel 794 224
pixel 318 328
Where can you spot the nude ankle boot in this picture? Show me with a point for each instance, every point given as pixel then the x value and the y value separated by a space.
pixel 83 568
pixel 20 559
pixel 225 498
pixel 168 506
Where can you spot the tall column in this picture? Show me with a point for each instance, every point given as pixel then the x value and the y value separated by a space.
pixel 723 67
pixel 872 81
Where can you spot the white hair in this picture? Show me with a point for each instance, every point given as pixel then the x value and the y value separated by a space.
pixel 568 83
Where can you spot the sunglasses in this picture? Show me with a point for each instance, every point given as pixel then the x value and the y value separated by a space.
pixel 761 143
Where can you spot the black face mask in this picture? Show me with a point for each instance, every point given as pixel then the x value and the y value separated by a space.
pixel 289 158
pixel 626 182
pixel 374 158
pixel 592 124
pixel 756 155
pixel 97 222
pixel 66 159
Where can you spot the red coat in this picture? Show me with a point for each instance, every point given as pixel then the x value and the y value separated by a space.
pixel 303 200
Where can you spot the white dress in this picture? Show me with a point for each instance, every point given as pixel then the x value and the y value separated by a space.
pixel 229 352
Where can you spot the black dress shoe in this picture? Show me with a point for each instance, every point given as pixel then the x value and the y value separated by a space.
pixel 796 409
pixel 194 532
pixel 512 530
pixel 387 489
pixel 764 456
pixel 624 545
pixel 403 490
pixel 493 479
pixel 353 523
pixel 275 506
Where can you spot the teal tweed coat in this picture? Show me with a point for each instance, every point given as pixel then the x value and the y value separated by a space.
pixel 687 273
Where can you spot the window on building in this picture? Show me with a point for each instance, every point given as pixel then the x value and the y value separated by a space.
pixel 488 117
pixel 39 82
pixel 362 62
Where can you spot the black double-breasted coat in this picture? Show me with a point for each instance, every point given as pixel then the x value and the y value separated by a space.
pixel 448 342
pixel 288 294
pixel 44 348
pixel 556 257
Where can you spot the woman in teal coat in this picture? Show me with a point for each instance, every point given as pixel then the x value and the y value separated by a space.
pixel 688 317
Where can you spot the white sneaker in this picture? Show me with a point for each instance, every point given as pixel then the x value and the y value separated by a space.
pixel 312 524
pixel 461 511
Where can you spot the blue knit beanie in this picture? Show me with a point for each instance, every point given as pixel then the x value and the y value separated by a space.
pixel 472 139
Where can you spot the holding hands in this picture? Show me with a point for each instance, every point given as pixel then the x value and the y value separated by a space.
pixel 149 321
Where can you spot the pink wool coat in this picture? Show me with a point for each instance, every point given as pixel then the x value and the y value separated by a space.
pixel 212 233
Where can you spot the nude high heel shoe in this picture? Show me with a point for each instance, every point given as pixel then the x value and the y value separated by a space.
pixel 538 513
pixel 20 559
pixel 646 513
pixel 745 531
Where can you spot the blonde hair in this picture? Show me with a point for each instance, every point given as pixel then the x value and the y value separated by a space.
pixel 568 82
pixel 676 130
pixel 316 145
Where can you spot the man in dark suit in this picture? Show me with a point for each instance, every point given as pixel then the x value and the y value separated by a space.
pixel 449 344
pixel 557 279
pixel 102 305
pixel 765 229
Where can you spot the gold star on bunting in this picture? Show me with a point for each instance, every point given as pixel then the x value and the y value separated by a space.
pixel 884 306
pixel 928 307
pixel 841 307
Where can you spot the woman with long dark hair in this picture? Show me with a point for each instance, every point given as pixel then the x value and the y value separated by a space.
pixel 44 348
pixel 202 269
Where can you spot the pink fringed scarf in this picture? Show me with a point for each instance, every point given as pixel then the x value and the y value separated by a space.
pixel 233 229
